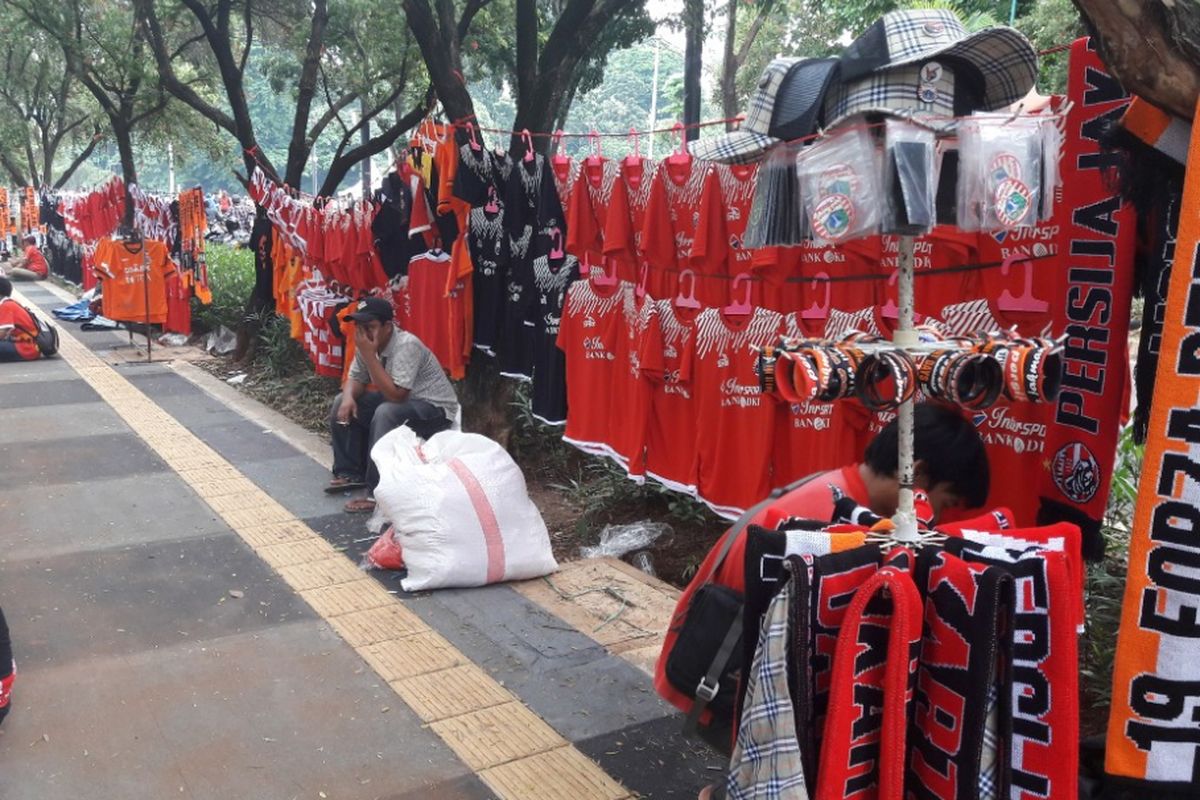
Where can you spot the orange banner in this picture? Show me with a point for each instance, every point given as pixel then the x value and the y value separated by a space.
pixel 1154 725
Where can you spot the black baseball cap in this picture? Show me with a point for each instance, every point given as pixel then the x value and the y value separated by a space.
pixel 372 308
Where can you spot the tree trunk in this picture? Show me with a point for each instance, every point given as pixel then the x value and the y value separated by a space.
pixel 693 22
pixel 1152 47
pixel 729 67
pixel 124 137
pixel 299 149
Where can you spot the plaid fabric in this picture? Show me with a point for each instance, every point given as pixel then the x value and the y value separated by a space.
pixel 988 763
pixel 751 139
pixel 898 91
pixel 1002 55
pixel 766 763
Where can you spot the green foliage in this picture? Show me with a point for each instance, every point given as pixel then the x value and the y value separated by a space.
pixel 279 355
pixel 230 277
pixel 1049 23
pixel 1105 587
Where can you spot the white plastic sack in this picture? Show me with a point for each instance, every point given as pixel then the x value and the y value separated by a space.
pixel 462 514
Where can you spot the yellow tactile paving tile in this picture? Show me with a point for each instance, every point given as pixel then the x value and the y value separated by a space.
pixel 332 571
pixel 375 625
pixel 304 551
pixel 249 517
pixel 277 533
pixel 412 655
pixel 475 715
pixel 451 692
pixel 247 499
pixel 562 774
pixel 346 598
pixel 493 736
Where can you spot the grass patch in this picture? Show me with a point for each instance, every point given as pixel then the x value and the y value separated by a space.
pixel 231 278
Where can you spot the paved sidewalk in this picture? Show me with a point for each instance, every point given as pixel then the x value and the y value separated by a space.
pixel 189 622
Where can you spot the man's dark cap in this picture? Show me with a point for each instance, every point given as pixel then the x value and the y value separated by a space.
pixel 372 308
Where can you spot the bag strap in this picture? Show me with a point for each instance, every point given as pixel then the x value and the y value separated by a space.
pixel 744 520
pixel 710 684
pixel 32 333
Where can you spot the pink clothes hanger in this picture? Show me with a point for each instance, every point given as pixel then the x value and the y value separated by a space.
pixel 687 300
pixel 560 159
pixel 475 145
pixel 743 306
pixel 634 158
pixel 556 243
pixel 889 311
pixel 819 312
pixel 597 274
pixel 680 156
pixel 1026 302
pixel 492 205
pixel 596 158
pixel 527 138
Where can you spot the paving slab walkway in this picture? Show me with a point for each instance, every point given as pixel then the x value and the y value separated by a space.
pixel 189 620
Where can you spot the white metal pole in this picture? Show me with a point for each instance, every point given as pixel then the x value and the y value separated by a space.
pixel 906 336
pixel 170 168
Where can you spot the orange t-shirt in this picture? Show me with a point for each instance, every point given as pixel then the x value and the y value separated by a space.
pixel 134 277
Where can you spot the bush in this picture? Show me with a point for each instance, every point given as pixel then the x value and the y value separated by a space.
pixel 280 355
pixel 231 278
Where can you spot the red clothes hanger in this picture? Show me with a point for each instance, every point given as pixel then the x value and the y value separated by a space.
pixel 687 300
pixel 596 158
pixel 1026 301
pixel 889 310
pixel 743 306
pixel 643 280
pixel 815 311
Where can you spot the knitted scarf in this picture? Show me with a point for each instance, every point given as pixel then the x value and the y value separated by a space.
pixel 1154 724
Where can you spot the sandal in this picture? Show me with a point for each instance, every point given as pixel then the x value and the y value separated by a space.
pixel 359 505
pixel 714 791
pixel 343 484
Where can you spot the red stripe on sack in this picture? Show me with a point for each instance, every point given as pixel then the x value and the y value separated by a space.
pixel 487 519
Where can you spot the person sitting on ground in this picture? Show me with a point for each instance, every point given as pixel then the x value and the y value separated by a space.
pixel 409 388
pixel 949 464
pixel 32 266
pixel 18 331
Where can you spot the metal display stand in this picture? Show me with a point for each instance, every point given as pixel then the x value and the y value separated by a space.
pixel 905 337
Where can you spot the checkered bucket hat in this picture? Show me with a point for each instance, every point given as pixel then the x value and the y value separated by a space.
pixel 785 106
pixel 924 62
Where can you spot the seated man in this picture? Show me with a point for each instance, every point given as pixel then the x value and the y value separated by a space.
pixel 17 330
pixel 410 388
pixel 32 266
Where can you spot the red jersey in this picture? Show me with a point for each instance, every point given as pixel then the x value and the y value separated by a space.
pixel 667 361
pixel 589 334
pixel 591 200
pixel 672 218
pixel 627 215
pixel 724 214
pixel 24 328
pixel 435 317
pixel 134 279
pixel 629 398
pixel 735 420
pixel 566 172
pixel 944 247
pixel 35 261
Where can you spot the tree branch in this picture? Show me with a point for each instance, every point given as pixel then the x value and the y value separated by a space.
pixel 342 164
pixel 79 160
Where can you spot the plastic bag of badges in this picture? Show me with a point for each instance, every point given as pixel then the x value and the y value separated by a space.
pixel 909 178
pixel 839 180
pixel 1000 173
